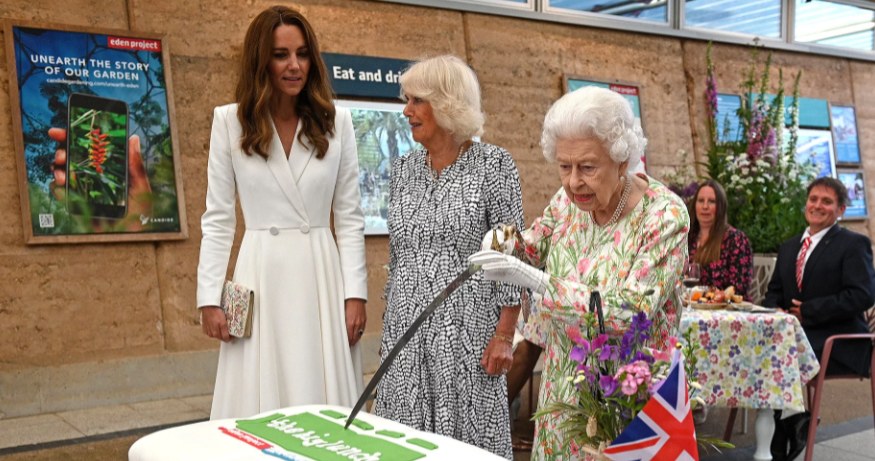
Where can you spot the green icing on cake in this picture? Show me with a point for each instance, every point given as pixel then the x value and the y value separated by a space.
pixel 362 425
pixel 392 434
pixel 318 438
pixel 333 414
pixel 422 443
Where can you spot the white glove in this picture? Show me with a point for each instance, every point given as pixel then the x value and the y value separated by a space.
pixel 505 268
pixel 503 236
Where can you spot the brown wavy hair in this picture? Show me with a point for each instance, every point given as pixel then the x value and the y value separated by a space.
pixel 710 250
pixel 314 104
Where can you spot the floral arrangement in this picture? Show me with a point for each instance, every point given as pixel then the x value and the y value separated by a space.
pixel 614 378
pixel 765 186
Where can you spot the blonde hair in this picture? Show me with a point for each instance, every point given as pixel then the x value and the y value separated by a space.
pixel 452 89
pixel 595 112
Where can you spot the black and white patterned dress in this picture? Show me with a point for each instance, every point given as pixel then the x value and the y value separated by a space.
pixel 436 383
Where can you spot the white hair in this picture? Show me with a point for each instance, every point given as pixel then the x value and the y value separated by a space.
pixel 452 89
pixel 595 112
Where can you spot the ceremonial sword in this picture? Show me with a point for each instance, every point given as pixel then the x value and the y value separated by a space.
pixel 440 298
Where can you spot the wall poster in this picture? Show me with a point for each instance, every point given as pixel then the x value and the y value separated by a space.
pixel 844 132
pixel 382 135
pixel 856 184
pixel 815 146
pixel 630 91
pixel 96 149
pixel 728 126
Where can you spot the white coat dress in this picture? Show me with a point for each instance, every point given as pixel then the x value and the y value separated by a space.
pixel 298 353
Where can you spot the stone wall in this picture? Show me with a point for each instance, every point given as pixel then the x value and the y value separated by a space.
pixel 107 306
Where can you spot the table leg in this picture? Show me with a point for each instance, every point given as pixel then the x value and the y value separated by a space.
pixel 764 429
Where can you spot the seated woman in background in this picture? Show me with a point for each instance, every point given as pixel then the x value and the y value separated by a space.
pixel 722 251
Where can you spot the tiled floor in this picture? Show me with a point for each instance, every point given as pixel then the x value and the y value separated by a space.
pixel 855 446
pixel 17 434
pixel 852 440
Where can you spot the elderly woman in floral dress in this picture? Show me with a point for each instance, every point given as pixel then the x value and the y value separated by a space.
pixel 605 230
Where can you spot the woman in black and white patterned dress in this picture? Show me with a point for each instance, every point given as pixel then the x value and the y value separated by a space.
pixel 449 379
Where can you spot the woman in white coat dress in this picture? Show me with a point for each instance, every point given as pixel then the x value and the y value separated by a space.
pixel 291 157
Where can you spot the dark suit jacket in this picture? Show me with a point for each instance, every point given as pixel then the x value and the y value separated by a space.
pixel 838 286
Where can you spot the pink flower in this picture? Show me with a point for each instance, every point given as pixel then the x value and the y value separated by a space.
pixel 583 265
pixel 574 334
pixel 642 272
pixel 633 376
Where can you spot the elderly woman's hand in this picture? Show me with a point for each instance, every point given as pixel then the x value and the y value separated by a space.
pixel 505 268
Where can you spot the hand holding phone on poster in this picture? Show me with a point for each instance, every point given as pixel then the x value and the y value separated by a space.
pixel 139 191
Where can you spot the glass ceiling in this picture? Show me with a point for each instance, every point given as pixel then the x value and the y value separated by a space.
pixel 828 23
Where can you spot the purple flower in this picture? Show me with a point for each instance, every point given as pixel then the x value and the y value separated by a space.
pixel 609 353
pixel 578 353
pixel 711 93
pixel 690 190
pixel 643 357
pixel 608 385
pixel 636 336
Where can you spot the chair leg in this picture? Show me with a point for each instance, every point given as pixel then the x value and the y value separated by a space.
pixel 730 424
pixel 815 415
pixel 872 383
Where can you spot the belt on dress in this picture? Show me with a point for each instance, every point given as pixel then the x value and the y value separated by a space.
pixel 275 230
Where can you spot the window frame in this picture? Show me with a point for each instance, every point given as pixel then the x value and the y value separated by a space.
pixel 540 10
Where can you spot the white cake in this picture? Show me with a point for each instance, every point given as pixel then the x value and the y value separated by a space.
pixel 313 432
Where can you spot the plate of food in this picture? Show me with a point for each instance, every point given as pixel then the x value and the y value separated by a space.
pixel 708 306
pixel 710 298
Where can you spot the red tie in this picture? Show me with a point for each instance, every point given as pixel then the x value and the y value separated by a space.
pixel 800 261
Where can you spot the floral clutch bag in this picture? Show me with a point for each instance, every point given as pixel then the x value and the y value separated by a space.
pixel 237 302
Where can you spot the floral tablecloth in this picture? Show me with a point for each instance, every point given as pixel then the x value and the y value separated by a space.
pixel 750 360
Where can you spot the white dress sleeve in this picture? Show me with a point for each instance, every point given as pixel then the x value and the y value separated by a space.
pixel 219 221
pixel 349 221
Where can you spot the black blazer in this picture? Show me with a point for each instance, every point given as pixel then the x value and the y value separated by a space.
pixel 838 286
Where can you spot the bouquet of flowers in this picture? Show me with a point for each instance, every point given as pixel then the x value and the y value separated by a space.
pixel 764 184
pixel 615 378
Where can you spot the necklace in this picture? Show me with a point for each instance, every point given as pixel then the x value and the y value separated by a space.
pixel 434 173
pixel 627 188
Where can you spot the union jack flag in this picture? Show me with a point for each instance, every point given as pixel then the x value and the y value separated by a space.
pixel 663 430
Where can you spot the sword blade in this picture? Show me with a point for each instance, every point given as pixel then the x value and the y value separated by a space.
pixel 405 338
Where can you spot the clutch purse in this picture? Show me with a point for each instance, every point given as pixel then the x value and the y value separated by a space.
pixel 237 302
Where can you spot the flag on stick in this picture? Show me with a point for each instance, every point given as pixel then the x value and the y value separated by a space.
pixel 663 430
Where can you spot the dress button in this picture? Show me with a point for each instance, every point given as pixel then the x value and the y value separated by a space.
pixel 274 231
pixel 305 228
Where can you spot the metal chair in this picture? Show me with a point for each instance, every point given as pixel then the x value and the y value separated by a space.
pixel 763 266
pixel 815 386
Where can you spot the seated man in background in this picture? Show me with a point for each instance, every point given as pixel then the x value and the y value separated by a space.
pixel 825 278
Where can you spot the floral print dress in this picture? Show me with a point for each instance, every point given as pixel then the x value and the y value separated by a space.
pixel 638 260
pixel 735 266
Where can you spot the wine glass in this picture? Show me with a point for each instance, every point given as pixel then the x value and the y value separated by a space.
pixel 692 276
